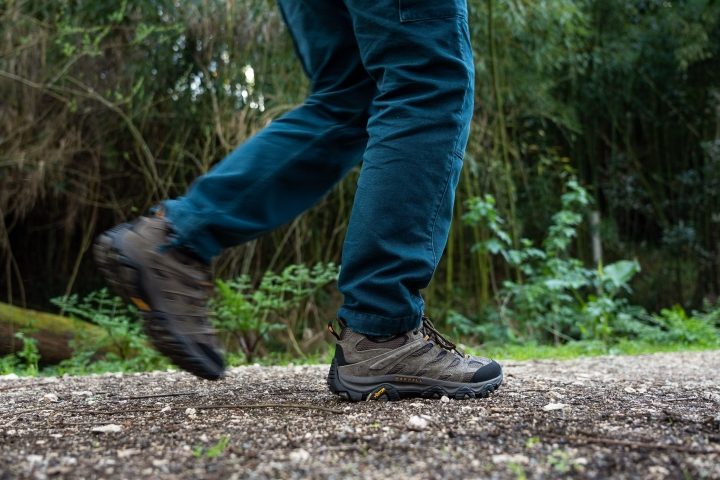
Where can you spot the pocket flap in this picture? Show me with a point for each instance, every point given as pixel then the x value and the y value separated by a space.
pixel 417 10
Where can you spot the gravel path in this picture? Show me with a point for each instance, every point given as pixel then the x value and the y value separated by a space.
pixel 655 416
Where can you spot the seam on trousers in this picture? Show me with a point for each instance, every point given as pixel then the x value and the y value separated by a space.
pixel 295 43
pixel 459 31
pixel 448 176
pixel 464 26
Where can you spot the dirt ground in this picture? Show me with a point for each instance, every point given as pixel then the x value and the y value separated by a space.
pixel 654 416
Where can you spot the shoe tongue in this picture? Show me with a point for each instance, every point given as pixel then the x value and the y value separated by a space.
pixel 370 342
pixel 381 338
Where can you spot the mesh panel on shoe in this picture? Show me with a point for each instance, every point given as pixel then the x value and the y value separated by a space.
pixel 367 344
pixel 454 363
pixel 477 363
pixel 439 357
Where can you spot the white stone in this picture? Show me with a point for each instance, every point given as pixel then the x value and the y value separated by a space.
pixel 83 393
pixel 444 399
pixel 51 397
pixel 554 406
pixel 659 471
pixel 505 458
pixel 417 423
pixel 713 397
pixel 299 456
pixel 110 428
pixel 128 452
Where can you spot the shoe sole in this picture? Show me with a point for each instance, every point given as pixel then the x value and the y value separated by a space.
pixel 125 280
pixel 386 388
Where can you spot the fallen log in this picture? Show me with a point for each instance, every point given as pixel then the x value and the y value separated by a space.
pixel 52 332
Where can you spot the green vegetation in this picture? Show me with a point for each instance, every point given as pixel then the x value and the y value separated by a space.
pixel 589 199
pixel 25 361
pixel 123 348
pixel 213 451
pixel 554 297
pixel 246 317
pixel 554 307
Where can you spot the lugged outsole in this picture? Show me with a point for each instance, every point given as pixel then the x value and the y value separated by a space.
pixel 389 392
pixel 124 279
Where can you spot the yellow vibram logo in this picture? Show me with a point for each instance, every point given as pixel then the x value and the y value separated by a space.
pixel 139 303
pixel 379 393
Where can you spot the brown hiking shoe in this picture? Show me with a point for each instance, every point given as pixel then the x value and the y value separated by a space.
pixel 170 287
pixel 420 363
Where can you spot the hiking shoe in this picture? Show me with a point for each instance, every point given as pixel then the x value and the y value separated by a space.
pixel 419 363
pixel 170 287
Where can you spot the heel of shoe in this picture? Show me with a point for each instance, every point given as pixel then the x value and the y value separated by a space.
pixel 383 392
pixel 122 276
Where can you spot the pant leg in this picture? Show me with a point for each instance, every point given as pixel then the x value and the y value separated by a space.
pixel 419 54
pixel 292 163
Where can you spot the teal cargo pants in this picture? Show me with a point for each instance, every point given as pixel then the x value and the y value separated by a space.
pixel 392 86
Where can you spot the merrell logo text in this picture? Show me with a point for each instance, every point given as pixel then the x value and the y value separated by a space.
pixel 407 380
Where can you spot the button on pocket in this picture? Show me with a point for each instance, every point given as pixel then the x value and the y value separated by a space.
pixel 418 10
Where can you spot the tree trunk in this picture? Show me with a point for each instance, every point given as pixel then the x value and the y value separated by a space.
pixel 52 332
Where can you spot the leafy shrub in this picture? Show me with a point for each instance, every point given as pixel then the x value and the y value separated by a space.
pixel 246 316
pixel 26 361
pixel 675 326
pixel 124 348
pixel 555 296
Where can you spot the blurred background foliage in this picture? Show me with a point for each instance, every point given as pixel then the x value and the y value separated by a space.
pixel 108 107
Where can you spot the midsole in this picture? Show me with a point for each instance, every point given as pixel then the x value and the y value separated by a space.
pixel 407 382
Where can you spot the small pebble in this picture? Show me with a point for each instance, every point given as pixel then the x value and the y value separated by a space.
pixel 299 456
pixel 51 397
pixel 417 423
pixel 517 459
pixel 110 428
pixel 554 406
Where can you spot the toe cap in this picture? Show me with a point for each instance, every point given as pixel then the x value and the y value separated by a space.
pixel 487 372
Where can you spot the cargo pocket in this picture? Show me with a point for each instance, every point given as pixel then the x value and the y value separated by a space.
pixel 420 10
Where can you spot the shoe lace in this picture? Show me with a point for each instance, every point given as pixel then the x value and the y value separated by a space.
pixel 428 328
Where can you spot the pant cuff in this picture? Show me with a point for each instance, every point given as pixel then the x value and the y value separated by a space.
pixel 378 325
pixel 189 231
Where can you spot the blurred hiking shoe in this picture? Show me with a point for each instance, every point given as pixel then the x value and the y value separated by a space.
pixel 170 286
pixel 419 363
